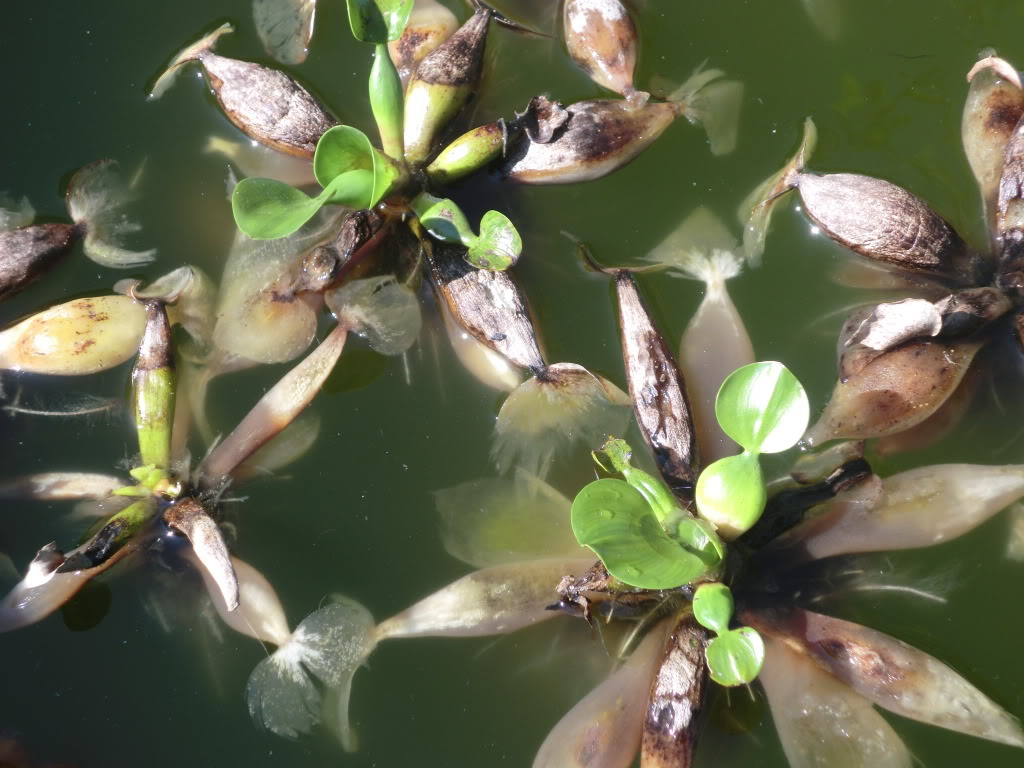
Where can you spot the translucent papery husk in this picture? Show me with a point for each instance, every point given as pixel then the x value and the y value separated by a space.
pixel 821 721
pixel 918 508
pixel 259 318
pixel 658 392
pixel 76 338
pixel 890 673
pixel 894 392
pixel 266 105
pixel 381 309
pixel 442 84
pixel 601 38
pixel 285 28
pixel 604 729
pixel 562 405
pixel 429 25
pixel 276 410
pixel 28 252
pixel 252 159
pixel 15 213
pixel 495 521
pixel 676 703
pixel 44 589
pixel 290 445
pixel 994 106
pixel 61 486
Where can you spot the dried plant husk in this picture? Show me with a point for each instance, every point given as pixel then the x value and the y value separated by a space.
pixel 994 106
pixel 890 673
pixel 603 135
pixel 918 508
pixel 601 38
pixel 604 729
pixel 676 703
pixel 75 338
pixel 442 84
pixel 265 104
pixel 61 486
pixel 285 27
pixel 489 367
pixel 1010 218
pixel 596 593
pixel 28 252
pixel 658 392
pixel 822 721
pixel 815 467
pixel 429 25
pixel 894 392
pixel 191 518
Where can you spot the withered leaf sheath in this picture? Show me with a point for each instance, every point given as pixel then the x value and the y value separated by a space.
pixel 674 709
pixel 488 304
pixel 658 392
pixel 886 223
pixel 327 265
pixel 265 104
pixel 190 517
pixel 27 252
pixel 442 84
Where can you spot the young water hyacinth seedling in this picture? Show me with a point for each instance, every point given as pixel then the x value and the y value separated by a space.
pixel 497 246
pixel 735 656
pixel 637 528
pixel 764 408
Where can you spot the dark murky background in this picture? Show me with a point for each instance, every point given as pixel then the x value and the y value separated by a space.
pixel 356 515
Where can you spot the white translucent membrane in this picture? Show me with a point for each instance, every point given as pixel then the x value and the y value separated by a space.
pixel 42 591
pixel 382 310
pixel 62 486
pixel 288 447
pixel 15 213
pixel 493 521
pixel 604 729
pixel 75 338
pixel 490 368
pixel 257 316
pixel 755 211
pixel 714 104
pixel 821 722
pixel 285 28
pixel 902 679
pixel 257 161
pixel 826 16
pixel 96 198
pixel 564 405
pixel 715 342
pixel 289 691
pixel 917 508
pixel 275 410
pixel 1015 533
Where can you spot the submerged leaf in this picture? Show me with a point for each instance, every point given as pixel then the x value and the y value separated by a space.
pixel 381 309
pixel 285 27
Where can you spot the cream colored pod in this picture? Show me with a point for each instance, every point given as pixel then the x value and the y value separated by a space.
pixel 75 338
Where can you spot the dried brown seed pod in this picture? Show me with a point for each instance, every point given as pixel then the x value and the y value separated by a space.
pixel 601 38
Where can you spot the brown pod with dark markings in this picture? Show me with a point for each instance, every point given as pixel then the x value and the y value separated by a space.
pixel 430 25
pixel 265 104
pixel 601 38
pixel 1010 216
pixel 658 392
pixel 487 304
pixel 676 703
pixel 27 252
pixel 327 265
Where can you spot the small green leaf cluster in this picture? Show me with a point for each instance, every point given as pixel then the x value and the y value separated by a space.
pixel 734 656
pixel 354 173
pixel 764 408
pixel 639 531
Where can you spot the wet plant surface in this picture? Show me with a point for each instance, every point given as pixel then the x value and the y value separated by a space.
pixel 357 514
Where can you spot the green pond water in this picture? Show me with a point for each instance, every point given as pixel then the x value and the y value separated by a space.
pixel 356 515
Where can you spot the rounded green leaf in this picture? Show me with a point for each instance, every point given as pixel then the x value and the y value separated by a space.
pixel 735 657
pixel 378 21
pixel 699 537
pixel 712 607
pixel 498 246
pixel 763 407
pixel 443 219
pixel 613 519
pixel 731 494
pixel 266 209
pixel 343 149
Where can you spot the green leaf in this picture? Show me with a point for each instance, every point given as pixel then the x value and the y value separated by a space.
pixel 735 657
pixel 443 219
pixel 387 102
pixel 266 209
pixel 712 607
pixel 661 500
pixel 344 149
pixel 499 244
pixel 763 407
pixel 613 519
pixel 699 537
pixel 731 494
pixel 378 21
